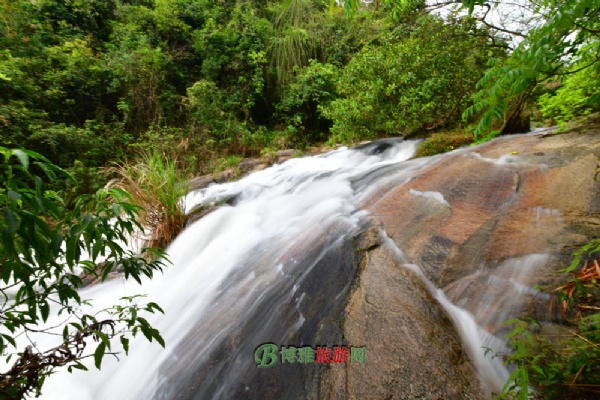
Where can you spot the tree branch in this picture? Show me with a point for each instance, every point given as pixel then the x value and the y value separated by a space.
pixel 483 21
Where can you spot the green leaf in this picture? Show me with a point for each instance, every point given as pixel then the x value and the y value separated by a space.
pixel 151 306
pixel 47 170
pixel 72 247
pixel 44 310
pixel 103 337
pixel 99 354
pixel 11 220
pixel 37 156
pixel 23 158
pixel 9 339
pixel 158 337
pixel 9 247
pixel 76 325
pixel 14 196
pixel 524 384
pixel 80 366
pixel 125 343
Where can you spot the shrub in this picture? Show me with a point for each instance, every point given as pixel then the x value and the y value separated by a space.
pixel 408 82
pixel 566 368
pixel 570 100
pixel 156 185
pixel 313 87
pixel 443 142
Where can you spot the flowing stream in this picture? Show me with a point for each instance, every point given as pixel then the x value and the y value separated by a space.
pixel 269 265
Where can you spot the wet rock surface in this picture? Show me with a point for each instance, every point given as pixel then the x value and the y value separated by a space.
pixel 484 224
pixel 413 350
pixel 508 198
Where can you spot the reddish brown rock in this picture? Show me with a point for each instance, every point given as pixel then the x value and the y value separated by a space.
pixel 543 200
pixel 511 214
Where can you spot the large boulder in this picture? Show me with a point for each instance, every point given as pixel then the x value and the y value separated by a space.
pixel 413 349
pixel 484 224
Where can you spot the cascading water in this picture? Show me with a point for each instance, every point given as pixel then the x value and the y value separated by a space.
pixel 492 372
pixel 273 264
pixel 246 264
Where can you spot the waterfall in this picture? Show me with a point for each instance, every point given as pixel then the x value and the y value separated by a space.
pixel 270 264
pixel 492 372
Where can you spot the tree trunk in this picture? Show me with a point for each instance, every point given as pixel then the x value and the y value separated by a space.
pixel 516 119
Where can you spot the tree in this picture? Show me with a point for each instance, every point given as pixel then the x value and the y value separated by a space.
pixel 295 41
pixel 313 87
pixel 568 42
pixel 395 7
pixel 564 39
pixel 409 82
pixel 45 250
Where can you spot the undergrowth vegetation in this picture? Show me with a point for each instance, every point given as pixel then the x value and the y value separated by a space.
pixel 443 142
pixel 46 245
pixel 564 365
pixel 157 186
pixel 86 84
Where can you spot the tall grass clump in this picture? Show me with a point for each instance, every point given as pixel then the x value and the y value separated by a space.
pixel 157 185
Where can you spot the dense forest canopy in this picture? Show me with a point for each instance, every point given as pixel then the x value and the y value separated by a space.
pixel 86 83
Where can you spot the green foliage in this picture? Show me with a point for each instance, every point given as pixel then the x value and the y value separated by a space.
pixel 296 40
pixel 78 18
pixel 420 81
pixel 18 91
pixel 314 87
pixel 587 251
pixel 85 180
pixel 232 161
pixel 443 142
pixel 45 246
pixel 157 186
pixel 568 37
pixel 71 81
pixel 234 57
pixel 209 116
pixel 139 77
pixel 487 137
pixel 174 143
pixel 566 367
pixel 553 369
pixel 93 82
pixel 571 99
pixel 396 8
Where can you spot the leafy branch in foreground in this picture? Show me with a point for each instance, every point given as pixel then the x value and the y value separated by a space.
pixel 45 248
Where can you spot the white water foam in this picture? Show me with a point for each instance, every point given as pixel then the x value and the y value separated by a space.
pixel 251 244
pixel 436 196
pixel 492 373
pixel 242 249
